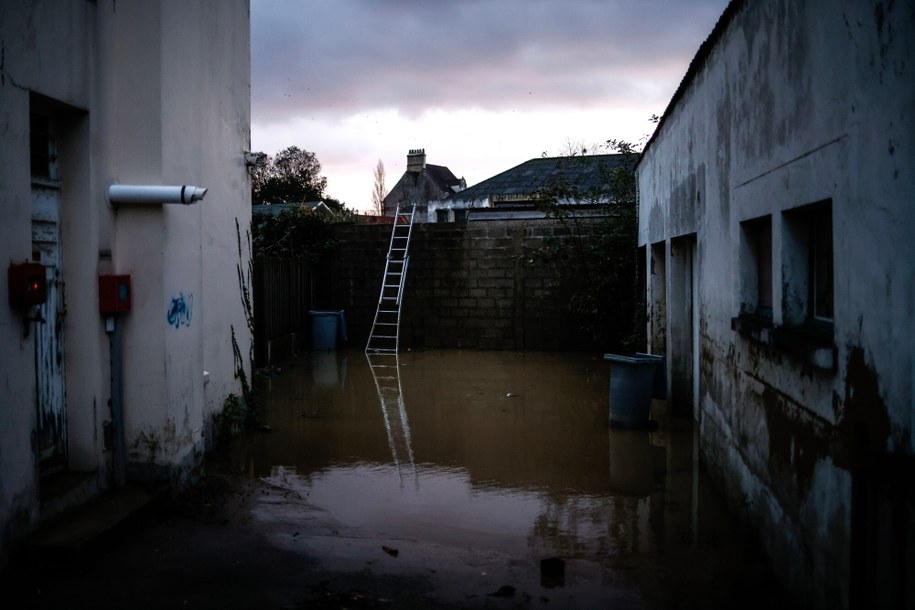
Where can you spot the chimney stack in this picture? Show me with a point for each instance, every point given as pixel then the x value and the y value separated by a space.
pixel 416 160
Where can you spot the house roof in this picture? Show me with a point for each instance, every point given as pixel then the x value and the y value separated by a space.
pixel 442 176
pixel 437 176
pixel 583 172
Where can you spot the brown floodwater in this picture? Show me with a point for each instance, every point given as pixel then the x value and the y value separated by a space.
pixel 467 469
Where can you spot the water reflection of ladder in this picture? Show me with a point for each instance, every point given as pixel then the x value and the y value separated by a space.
pixel 386 372
pixel 385 334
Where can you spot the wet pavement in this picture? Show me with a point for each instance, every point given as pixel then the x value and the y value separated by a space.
pixel 456 479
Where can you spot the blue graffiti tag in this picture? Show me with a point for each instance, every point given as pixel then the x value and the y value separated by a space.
pixel 180 310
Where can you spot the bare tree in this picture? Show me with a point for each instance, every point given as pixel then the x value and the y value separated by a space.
pixel 379 192
pixel 577 147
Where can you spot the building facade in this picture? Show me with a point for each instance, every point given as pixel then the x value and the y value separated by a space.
pixel 776 220
pixel 119 382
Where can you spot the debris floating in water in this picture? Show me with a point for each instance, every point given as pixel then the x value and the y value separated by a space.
pixel 390 551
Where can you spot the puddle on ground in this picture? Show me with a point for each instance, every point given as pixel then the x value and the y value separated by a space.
pixel 469 469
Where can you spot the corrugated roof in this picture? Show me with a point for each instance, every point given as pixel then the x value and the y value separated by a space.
pixel 586 173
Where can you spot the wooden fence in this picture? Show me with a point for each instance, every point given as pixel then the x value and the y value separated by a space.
pixel 283 296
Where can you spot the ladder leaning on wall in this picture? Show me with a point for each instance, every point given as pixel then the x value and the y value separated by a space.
pixel 385 334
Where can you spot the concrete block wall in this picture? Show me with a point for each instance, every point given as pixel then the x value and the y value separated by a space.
pixel 481 285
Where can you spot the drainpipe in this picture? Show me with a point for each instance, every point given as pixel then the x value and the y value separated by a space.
pixel 113 328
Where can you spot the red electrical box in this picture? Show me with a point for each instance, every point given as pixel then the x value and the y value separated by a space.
pixel 28 284
pixel 113 294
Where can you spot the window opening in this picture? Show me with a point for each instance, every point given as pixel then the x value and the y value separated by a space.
pixel 757 268
pixel 821 264
pixel 41 147
pixel 808 266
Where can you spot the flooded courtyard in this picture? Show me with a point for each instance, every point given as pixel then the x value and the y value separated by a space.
pixel 450 479
pixel 490 479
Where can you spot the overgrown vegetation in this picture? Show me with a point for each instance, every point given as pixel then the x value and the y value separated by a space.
pixel 245 272
pixel 599 251
pixel 296 232
pixel 232 419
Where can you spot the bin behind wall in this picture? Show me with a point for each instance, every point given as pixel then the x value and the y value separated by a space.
pixel 326 328
pixel 634 380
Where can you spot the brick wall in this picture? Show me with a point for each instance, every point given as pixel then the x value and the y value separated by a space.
pixel 469 285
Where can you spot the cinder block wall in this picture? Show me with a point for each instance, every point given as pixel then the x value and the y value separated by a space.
pixel 477 285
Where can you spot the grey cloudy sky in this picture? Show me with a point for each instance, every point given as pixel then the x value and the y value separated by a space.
pixel 482 85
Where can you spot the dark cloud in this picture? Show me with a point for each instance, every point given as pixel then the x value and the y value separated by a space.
pixel 335 58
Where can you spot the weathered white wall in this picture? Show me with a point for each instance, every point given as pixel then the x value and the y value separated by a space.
pixel 40 59
pixel 200 116
pixel 155 93
pixel 797 102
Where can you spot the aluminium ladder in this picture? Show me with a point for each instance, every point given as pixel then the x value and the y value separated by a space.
pixel 385 334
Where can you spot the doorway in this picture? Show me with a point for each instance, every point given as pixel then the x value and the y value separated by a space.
pixel 50 396
pixel 684 327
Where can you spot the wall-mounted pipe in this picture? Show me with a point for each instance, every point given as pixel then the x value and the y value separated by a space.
pixel 133 193
pixel 119 447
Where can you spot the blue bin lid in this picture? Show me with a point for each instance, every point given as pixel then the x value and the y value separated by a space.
pixel 633 359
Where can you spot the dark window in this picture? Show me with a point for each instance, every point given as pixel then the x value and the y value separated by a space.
pixel 40 145
pixel 764 275
pixel 757 268
pixel 808 265
pixel 821 282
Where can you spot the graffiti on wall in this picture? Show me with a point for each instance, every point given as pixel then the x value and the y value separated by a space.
pixel 180 311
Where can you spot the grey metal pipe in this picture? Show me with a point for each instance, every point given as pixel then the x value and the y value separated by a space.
pixel 119 449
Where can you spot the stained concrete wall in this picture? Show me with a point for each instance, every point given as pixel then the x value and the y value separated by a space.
pixel 788 104
pixel 140 92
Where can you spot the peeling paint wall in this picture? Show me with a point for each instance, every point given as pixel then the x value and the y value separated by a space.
pixel 793 112
pixel 143 93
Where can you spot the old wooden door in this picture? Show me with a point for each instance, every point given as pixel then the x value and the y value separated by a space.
pixel 51 397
